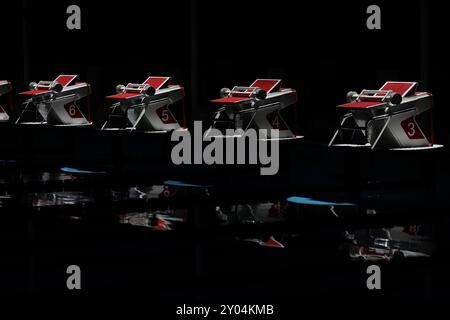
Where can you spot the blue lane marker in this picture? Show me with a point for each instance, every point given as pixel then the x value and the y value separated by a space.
pixel 176 183
pixel 75 170
pixel 310 201
pixel 8 161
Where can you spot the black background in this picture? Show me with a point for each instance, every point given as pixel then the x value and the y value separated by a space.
pixel 321 49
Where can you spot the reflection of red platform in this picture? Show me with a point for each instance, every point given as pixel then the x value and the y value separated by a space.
pixel 402 88
pixel 271 242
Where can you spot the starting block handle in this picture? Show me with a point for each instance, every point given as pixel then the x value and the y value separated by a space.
pixel 375 94
pixel 239 91
pixel 136 85
pixel 142 88
pixel 45 84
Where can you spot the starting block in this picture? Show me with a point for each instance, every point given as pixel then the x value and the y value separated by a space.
pixel 54 102
pixel 5 87
pixel 395 116
pixel 145 106
pixel 257 106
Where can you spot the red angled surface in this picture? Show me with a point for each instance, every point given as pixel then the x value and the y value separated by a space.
pixel 271 242
pixel 402 88
pixel 2 110
pixel 360 105
pixel 231 100
pixel 65 80
pixel 34 92
pixel 123 96
pixel 157 82
pixel 268 85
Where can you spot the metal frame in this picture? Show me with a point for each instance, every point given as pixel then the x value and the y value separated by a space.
pixel 53 99
pixel 168 96
pixel 388 117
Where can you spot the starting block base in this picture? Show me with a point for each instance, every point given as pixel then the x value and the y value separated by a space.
pixel 367 146
pixel 73 125
pixel 141 131
pixel 55 125
pixel 435 146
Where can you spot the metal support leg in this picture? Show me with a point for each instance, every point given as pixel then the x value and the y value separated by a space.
pixel 381 133
pixel 107 117
pixel 344 118
pixel 139 118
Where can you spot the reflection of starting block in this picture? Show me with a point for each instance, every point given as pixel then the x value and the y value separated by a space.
pixel 392 117
pixel 5 87
pixel 54 102
pixel 257 107
pixel 145 106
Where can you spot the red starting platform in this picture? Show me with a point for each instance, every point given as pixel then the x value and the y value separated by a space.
pixel 258 106
pixel 145 106
pixel 396 116
pixel 55 102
